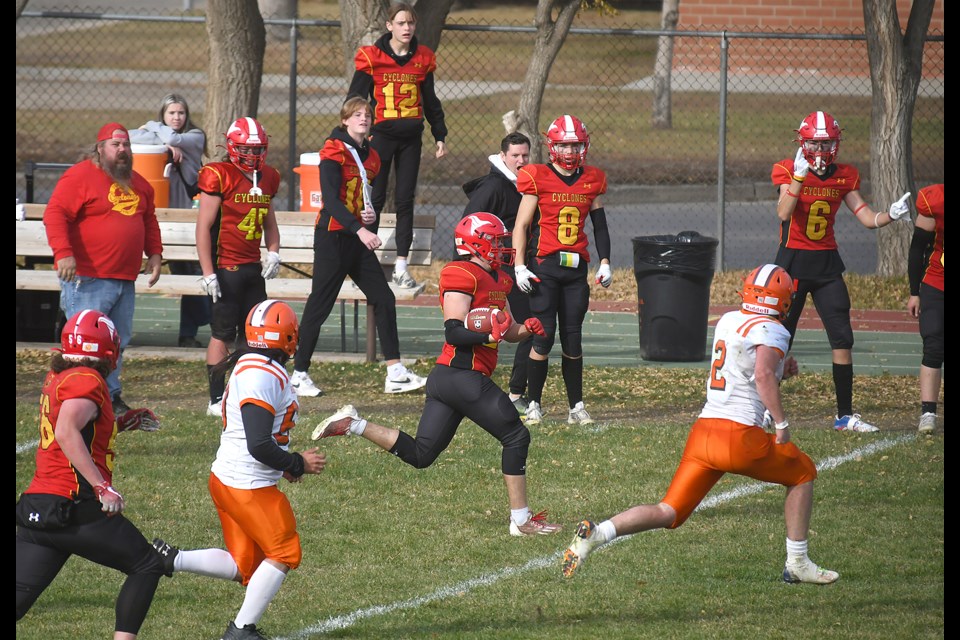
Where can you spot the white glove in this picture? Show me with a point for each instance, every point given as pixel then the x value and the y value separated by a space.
pixel 21 211
pixel 800 165
pixel 525 278
pixel 210 286
pixel 604 276
pixel 271 265
pixel 900 208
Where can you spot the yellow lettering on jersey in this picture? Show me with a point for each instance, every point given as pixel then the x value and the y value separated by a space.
pixel 400 77
pixel 569 197
pixel 821 192
pixel 246 198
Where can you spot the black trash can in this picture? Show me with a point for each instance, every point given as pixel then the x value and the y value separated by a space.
pixel 673 294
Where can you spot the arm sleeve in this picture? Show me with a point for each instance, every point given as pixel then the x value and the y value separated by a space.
pixel 258 428
pixel 360 85
pixel 433 110
pixel 459 336
pixel 918 246
pixel 601 233
pixel 331 174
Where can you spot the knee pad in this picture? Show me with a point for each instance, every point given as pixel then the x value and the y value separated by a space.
pixel 572 343
pixel 543 344
pixel 516 444
pixel 933 352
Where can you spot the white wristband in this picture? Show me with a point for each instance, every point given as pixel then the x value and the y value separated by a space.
pixel 876 219
pixel 780 426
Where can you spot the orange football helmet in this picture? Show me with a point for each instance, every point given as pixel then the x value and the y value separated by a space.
pixel 272 324
pixel 767 290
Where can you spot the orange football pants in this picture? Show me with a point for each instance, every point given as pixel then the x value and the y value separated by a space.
pixel 257 524
pixel 716 446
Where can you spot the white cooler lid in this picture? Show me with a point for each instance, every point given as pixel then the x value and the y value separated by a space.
pixel 150 148
pixel 310 158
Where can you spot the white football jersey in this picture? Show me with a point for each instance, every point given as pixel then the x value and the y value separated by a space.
pixel 260 380
pixel 731 385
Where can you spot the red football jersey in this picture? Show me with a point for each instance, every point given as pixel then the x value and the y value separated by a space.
pixel 238 230
pixel 930 205
pixel 54 474
pixel 811 224
pixel 351 189
pixel 396 88
pixel 488 289
pixel 562 210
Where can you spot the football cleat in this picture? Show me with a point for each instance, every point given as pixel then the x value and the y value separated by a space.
pixel 408 381
pixel 404 280
pixel 928 423
pixel 304 385
pixel 338 424
pixel 534 414
pixel 215 409
pixel 246 632
pixel 853 423
pixel 581 546
pixel 168 554
pixel 521 404
pixel 795 573
pixel 579 415
pixel 537 525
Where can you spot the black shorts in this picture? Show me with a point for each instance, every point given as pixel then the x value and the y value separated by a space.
pixel 241 288
pixel 832 300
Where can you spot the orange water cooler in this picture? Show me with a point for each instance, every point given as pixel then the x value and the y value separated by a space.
pixel 309 172
pixel 150 161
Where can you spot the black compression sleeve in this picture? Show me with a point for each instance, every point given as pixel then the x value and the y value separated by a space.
pixel 918 247
pixel 600 232
pixel 258 429
pixel 459 336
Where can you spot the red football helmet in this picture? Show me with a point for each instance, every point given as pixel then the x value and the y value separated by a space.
pixel 819 137
pixel 272 324
pixel 90 334
pixel 247 144
pixel 564 130
pixel 767 290
pixel 482 234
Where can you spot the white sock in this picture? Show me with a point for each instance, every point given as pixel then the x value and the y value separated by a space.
pixel 357 427
pixel 606 531
pixel 400 265
pixel 514 396
pixel 263 585
pixel 213 563
pixel 396 371
pixel 520 516
pixel 797 551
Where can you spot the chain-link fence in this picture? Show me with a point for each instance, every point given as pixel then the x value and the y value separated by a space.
pixel 741 92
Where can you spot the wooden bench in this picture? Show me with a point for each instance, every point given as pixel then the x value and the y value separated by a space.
pixel 296 249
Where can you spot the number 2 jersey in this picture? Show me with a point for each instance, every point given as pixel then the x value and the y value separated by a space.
pixel 930 205
pixel 808 248
pixel 264 382
pixel 732 386
pixel 563 208
pixel 488 289
pixel 237 231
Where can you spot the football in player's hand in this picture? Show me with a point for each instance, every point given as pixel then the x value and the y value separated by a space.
pixel 479 320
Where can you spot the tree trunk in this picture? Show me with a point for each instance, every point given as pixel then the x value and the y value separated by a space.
pixel 361 23
pixel 280 9
pixel 237 43
pixel 431 16
pixel 895 67
pixel 550 37
pixel 21 5
pixel 662 112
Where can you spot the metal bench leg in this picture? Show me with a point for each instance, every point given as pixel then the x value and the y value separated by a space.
pixel 371 335
pixel 356 326
pixel 343 326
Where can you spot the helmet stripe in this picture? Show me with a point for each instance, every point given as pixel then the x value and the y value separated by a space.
pixel 260 311
pixel 764 274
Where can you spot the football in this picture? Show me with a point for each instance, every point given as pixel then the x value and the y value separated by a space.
pixel 479 320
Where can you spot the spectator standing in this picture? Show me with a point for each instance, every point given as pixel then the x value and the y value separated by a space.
pixel 100 222
pixel 926 298
pixel 396 73
pixel 497 193
pixel 343 245
pixel 460 386
pixel 236 216
pixel 549 236
pixel 186 144
pixel 259 526
pixel 749 361
pixel 811 188
pixel 71 507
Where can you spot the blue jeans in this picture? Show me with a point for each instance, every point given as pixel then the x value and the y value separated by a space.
pixel 115 298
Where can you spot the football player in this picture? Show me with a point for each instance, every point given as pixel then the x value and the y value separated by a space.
pixel 552 256
pixel 749 361
pixel 459 386
pixel 260 409
pixel 236 216
pixel 812 187
pixel 926 298
pixel 396 73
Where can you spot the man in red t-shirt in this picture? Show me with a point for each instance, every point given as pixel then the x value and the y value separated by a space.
pixel 100 223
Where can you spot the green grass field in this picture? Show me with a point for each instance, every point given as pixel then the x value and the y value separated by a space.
pixel 393 552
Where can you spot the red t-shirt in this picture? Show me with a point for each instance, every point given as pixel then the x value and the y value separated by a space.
pixel 351 189
pixel 54 474
pixel 488 289
pixel 237 231
pixel 563 209
pixel 396 88
pixel 930 205
pixel 108 229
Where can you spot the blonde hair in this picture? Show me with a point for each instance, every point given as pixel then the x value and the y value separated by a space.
pixel 350 106
pixel 398 7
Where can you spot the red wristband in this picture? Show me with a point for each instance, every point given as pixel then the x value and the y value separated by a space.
pixel 860 208
pixel 792 195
